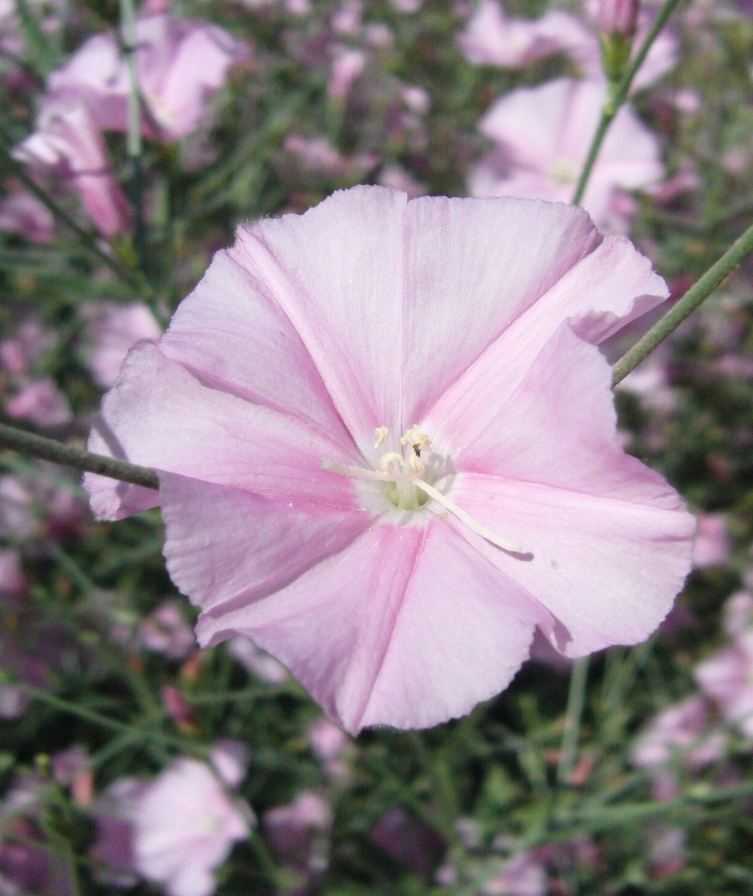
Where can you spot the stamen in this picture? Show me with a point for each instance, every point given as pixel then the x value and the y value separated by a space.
pixel 386 459
pixel 417 439
pixel 512 547
pixel 380 434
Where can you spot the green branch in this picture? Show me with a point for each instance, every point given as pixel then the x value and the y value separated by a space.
pixel 617 95
pixel 697 294
pixel 32 445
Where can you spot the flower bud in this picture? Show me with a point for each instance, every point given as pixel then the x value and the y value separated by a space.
pixel 618 17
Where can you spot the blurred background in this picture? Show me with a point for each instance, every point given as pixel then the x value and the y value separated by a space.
pixel 133 762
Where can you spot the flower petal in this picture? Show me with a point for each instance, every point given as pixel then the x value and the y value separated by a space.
pixel 234 336
pixel 457 302
pixel 610 539
pixel 336 273
pixel 603 292
pixel 408 626
pixel 161 416
pixel 226 545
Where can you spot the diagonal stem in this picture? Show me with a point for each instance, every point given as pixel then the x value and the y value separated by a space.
pixel 32 445
pixel 697 294
pixel 617 95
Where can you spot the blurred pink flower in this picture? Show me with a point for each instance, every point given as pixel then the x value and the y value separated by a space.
pixel 407 6
pixel 523 875
pixel 491 38
pixel 68 142
pixel 181 64
pixel 398 178
pixel 680 730
pixel 617 17
pixel 329 743
pixel 22 351
pixel 543 136
pixel 184 828
pixel 12 579
pixel 316 154
pixel 347 18
pixel 296 833
pixel 257 662
pixel 166 631
pixel 711 547
pixel 457 332
pixel 408 841
pixel 738 613
pixel 347 65
pixel 40 402
pixel 727 676
pixel 113 330
pixel 230 759
pixel 23 214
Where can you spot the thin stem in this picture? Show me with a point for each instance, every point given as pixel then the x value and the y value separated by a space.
pixel 616 96
pixel 135 149
pixel 697 294
pixel 575 701
pixel 32 445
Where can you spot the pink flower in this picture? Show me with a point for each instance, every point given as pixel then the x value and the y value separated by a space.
pixel 491 38
pixel 23 214
pixel 727 676
pixel 40 402
pixel 114 329
pixel 257 662
pixel 297 832
pixel 181 64
pixel 712 545
pixel 329 743
pixel 69 143
pixel 387 450
pixel 523 875
pixel 618 17
pixel 681 729
pixel 543 136
pixel 408 840
pixel 184 828
pixel 166 631
pixel 346 67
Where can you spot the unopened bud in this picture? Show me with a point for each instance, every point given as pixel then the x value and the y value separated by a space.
pixel 618 17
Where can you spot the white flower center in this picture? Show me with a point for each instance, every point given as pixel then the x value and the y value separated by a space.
pixel 562 171
pixel 405 481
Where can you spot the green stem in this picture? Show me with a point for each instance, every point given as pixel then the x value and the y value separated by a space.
pixel 617 95
pixel 697 294
pixel 135 149
pixel 576 699
pixel 32 445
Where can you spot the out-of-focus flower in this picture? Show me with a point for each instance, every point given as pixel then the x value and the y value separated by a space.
pixel 13 583
pixel 407 6
pixel 668 853
pixel 112 849
pixel 738 613
pixel 347 65
pixel 408 841
pixel 181 64
pixel 398 178
pixel 184 828
pixel 315 154
pixel 256 661
pixel 40 402
pixel 68 142
pixel 544 134
pixel 230 760
pixel 681 730
pixel 727 677
pixel 166 631
pixel 347 18
pixel 23 214
pixel 330 361
pixel 711 547
pixel 618 17
pixel 297 833
pixel 21 352
pixel 113 330
pixel 329 743
pixel 523 875
pixel 491 38
pixel 178 708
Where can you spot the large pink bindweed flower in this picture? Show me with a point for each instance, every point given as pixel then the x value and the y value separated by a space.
pixel 387 449
pixel 543 135
pixel 181 64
